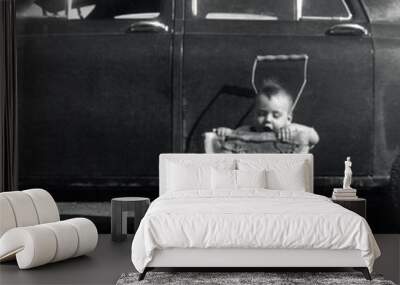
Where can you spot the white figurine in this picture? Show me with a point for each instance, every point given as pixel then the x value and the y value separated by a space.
pixel 347 174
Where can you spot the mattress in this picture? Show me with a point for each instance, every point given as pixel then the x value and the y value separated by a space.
pixel 251 219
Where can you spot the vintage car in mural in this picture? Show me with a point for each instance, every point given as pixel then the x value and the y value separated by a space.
pixel 106 86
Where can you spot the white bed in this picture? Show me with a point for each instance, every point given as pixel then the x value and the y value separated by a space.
pixel 281 224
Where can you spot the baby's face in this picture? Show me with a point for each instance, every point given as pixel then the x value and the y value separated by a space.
pixel 273 113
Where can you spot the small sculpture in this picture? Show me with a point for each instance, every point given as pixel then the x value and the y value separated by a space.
pixel 347 174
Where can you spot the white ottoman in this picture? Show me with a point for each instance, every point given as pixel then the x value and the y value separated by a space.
pixel 31 232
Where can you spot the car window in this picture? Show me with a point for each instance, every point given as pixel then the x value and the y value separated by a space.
pixel 383 10
pixel 89 9
pixel 324 10
pixel 260 10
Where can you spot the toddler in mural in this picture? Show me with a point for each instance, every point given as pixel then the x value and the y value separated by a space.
pixel 272 129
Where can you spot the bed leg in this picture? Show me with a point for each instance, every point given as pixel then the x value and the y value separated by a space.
pixel 142 275
pixel 365 272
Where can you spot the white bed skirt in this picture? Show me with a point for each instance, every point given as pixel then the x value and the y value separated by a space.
pixel 189 257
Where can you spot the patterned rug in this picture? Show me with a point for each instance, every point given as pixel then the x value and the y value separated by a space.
pixel 243 278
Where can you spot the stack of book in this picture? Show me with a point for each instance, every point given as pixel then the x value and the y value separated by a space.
pixel 344 194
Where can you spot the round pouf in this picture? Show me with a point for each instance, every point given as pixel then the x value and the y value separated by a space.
pixel 119 214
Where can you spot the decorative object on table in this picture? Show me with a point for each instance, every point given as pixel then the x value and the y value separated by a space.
pixel 244 278
pixel 357 205
pixel 31 230
pixel 347 174
pixel 346 192
pixel 120 208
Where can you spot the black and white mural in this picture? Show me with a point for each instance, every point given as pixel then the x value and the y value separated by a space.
pixel 271 128
pixel 104 87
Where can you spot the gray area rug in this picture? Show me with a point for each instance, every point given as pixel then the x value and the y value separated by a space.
pixel 273 278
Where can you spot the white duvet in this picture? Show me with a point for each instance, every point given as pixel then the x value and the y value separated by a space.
pixel 250 219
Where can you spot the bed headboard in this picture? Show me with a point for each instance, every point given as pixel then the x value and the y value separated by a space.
pixel 213 159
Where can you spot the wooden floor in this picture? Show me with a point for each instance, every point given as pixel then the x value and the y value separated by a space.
pixel 111 259
pixel 103 266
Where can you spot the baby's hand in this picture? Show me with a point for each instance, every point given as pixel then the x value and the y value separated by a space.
pixel 291 134
pixel 285 134
pixel 223 132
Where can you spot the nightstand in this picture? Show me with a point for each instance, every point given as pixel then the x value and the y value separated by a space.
pixel 120 208
pixel 358 205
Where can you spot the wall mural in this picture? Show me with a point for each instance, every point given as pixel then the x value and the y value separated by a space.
pixel 105 86
pixel 272 128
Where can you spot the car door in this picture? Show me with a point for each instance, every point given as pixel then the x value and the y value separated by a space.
pixel 94 91
pixel 222 39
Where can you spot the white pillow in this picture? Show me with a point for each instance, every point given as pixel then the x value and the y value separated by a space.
pixel 251 178
pixel 282 174
pixel 292 180
pixel 223 179
pixel 188 177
